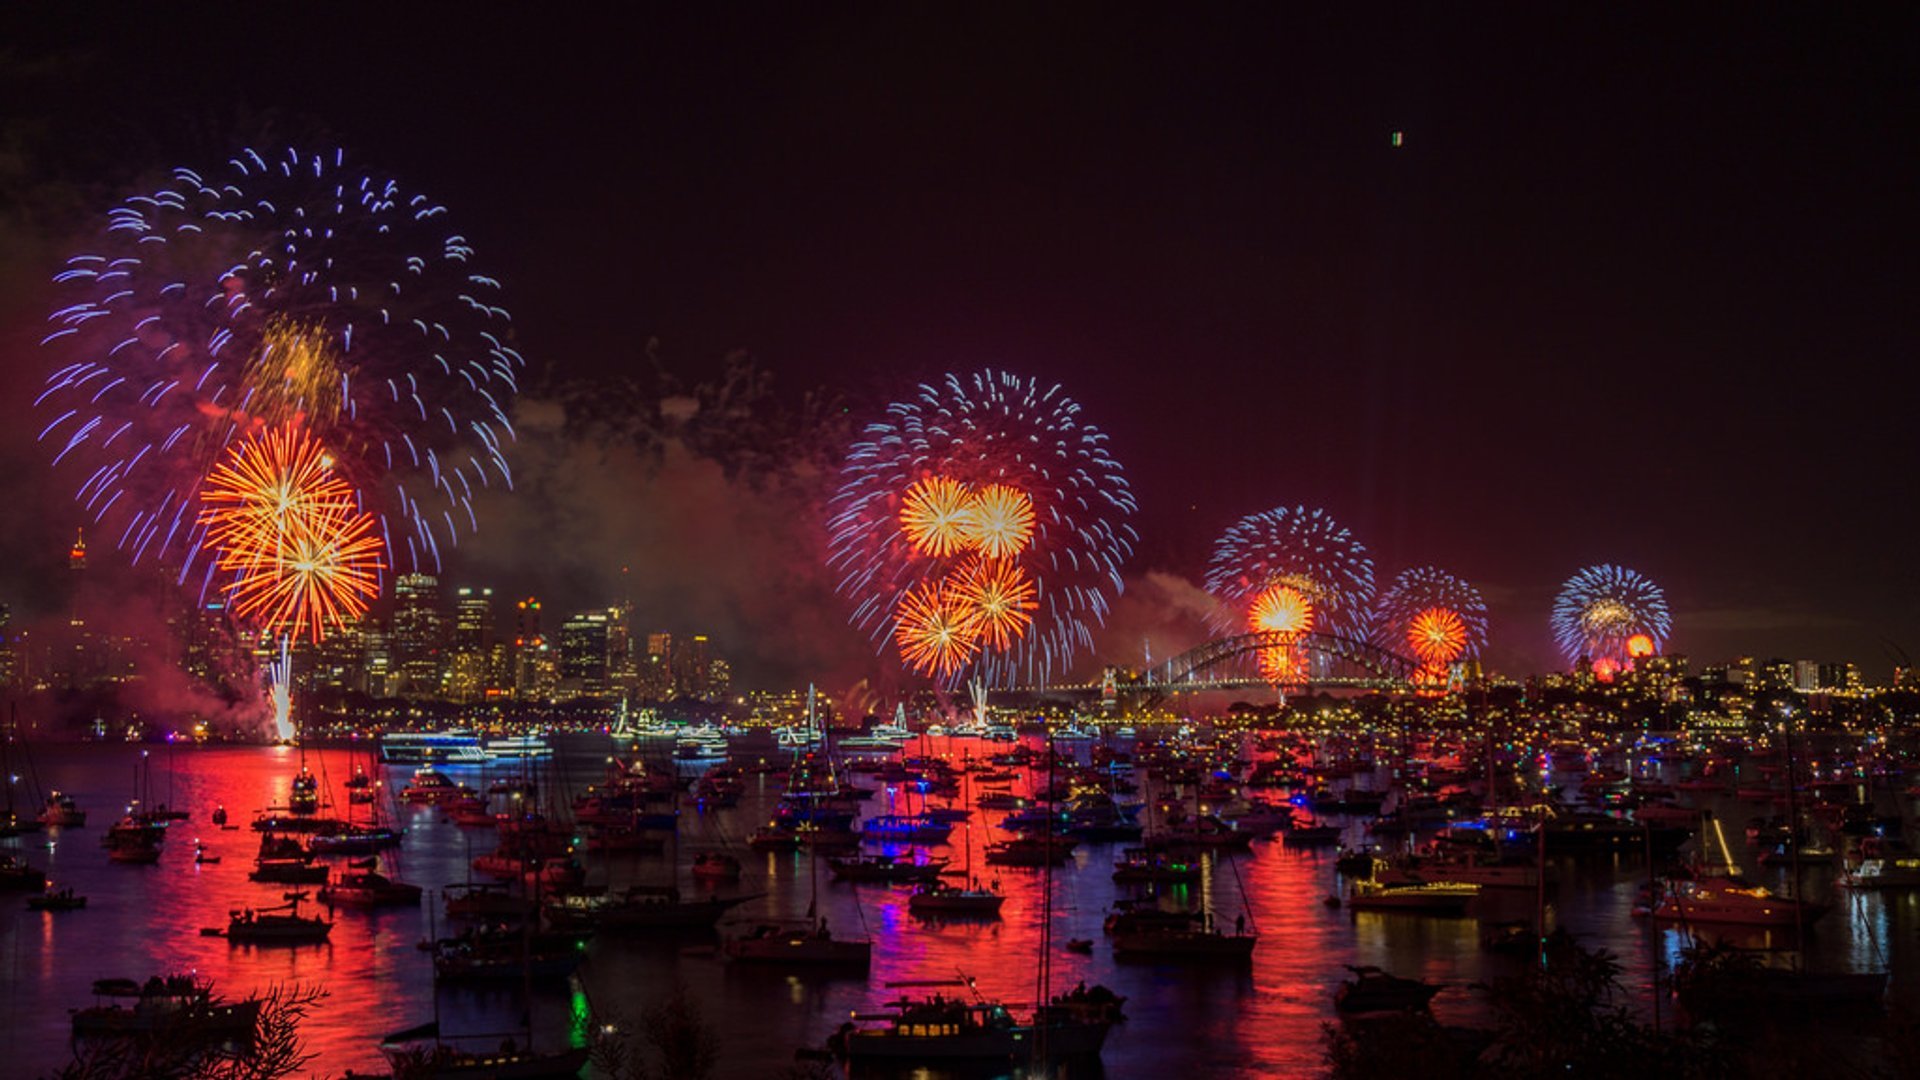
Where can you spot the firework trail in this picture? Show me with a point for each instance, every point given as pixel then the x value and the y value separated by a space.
pixel 994 488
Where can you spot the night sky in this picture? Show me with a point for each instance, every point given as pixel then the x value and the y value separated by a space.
pixel 1636 288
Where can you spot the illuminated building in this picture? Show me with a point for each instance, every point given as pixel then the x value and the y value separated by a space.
pixel 623 670
pixel 469 657
pixel 418 640
pixel 583 655
pixel 692 675
pixel 7 670
pixel 655 674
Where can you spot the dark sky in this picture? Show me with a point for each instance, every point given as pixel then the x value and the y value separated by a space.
pixel 1637 288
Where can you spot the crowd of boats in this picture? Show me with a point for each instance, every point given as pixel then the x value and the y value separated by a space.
pixel 1421 829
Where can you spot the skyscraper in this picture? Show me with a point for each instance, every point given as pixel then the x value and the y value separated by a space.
pixel 469 659
pixel 418 641
pixel 583 655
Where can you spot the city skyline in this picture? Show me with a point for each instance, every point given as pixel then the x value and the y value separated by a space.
pixel 1262 307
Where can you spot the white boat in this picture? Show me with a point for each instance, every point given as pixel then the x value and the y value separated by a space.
pixel 1897 872
pixel 517 746
pixel 431 747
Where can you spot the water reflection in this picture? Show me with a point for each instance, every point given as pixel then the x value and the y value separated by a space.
pixel 1194 1022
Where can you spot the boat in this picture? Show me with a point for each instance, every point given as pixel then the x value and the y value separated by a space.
pixel 1467 868
pixel 1887 872
pixel 942 898
pixel 355 840
pixel 431 747
pixel 368 888
pixel 808 944
pixel 56 900
pixel 304 798
pixel 410 1055
pixel 640 908
pixel 884 868
pixel 516 746
pixel 1196 942
pixel 61 812
pixel 906 829
pixel 1139 866
pixel 716 866
pixel 485 901
pixel 16 873
pixel 1373 990
pixel 430 787
pixel 175 1003
pixel 281 925
pixel 1727 901
pixel 942 1030
pixel 1425 898
pixel 490 954
pixel 1032 851
pixel 419 1052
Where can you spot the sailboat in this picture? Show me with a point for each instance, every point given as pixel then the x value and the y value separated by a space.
pixel 938 897
pixel 806 943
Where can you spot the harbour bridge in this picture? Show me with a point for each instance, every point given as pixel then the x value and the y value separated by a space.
pixel 1319 661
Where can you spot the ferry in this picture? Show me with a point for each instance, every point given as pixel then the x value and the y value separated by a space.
pixel 431 747
pixel 517 746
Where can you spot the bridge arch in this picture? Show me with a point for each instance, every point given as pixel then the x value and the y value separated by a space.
pixel 1332 661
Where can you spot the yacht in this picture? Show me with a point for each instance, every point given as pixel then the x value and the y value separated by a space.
pixel 516 746
pixel 1728 901
pixel 431 747
pixel 945 1030
pixel 179 1002
pixel 282 925
pixel 1891 872
pixel 804 945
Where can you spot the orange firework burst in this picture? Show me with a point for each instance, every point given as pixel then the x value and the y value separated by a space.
pixel 1639 646
pixel 937 634
pixel 998 597
pixel 303 556
pixel 1280 664
pixel 1283 610
pixel 999 521
pixel 935 513
pixel 1438 637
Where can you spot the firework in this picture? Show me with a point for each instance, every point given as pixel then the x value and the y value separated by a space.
pixel 999 522
pixel 998 597
pixel 1303 550
pixel 280 292
pixel 1437 637
pixel 935 514
pixel 937 634
pixel 300 554
pixel 1602 610
pixel 1286 611
pixel 1432 616
pixel 1042 493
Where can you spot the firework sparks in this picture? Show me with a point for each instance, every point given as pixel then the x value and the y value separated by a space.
pixel 936 633
pixel 1417 614
pixel 998 597
pixel 1041 489
pixel 999 521
pixel 1304 550
pixel 1602 609
pixel 285 290
pixel 300 554
pixel 936 514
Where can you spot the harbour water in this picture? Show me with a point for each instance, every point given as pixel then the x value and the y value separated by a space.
pixel 1195 1022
